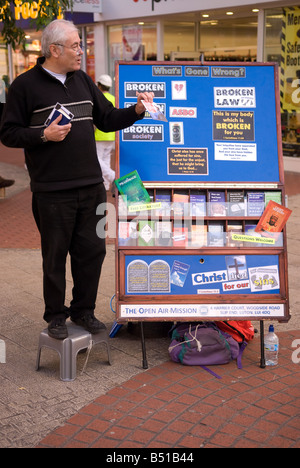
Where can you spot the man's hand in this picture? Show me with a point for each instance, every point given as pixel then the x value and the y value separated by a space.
pixel 140 108
pixel 56 132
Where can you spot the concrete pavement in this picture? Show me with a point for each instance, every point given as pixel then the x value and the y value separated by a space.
pixel 122 405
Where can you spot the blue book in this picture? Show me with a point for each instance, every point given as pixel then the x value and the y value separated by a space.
pixel 165 200
pixel 58 110
pixel 255 203
pixel 198 205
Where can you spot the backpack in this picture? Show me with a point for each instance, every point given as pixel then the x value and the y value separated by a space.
pixel 203 344
pixel 241 330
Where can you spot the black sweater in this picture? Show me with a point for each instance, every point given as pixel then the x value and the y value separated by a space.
pixel 73 162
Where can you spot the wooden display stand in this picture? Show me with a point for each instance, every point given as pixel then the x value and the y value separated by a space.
pixel 213 167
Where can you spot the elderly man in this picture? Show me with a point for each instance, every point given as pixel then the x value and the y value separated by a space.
pixel 66 178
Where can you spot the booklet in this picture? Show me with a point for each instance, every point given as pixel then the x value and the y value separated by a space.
pixel 154 111
pixel 58 110
pixel 273 220
pixel 132 189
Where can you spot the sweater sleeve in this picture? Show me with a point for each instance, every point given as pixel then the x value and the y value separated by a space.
pixel 107 117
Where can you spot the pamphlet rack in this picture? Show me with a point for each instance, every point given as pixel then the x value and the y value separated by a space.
pixel 193 254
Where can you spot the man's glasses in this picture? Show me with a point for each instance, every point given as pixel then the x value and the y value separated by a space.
pixel 75 47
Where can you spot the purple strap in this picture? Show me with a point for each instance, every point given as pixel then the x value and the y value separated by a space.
pixel 211 372
pixel 239 358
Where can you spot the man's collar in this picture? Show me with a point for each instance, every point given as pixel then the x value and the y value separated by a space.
pixel 41 60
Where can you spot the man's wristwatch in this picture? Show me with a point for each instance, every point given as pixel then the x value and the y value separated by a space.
pixel 43 138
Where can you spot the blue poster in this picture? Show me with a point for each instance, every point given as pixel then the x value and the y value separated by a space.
pixel 173 275
pixel 221 123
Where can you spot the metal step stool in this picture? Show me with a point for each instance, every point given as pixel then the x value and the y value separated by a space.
pixel 68 348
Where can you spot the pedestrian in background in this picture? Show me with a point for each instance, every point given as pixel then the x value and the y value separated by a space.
pixel 105 141
pixel 2 96
pixel 3 182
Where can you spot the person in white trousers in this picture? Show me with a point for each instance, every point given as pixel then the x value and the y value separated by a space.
pixel 105 142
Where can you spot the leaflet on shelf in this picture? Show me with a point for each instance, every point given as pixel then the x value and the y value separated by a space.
pixel 198 204
pixel 255 203
pixel 216 203
pixel 273 220
pixel 216 236
pixel 236 203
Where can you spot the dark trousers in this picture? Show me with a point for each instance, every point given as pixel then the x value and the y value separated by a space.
pixel 67 222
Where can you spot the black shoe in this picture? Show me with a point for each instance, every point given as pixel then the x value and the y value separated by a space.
pixel 57 329
pixel 89 323
pixel 6 182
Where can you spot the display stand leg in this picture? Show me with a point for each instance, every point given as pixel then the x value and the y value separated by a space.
pixel 145 364
pixel 262 347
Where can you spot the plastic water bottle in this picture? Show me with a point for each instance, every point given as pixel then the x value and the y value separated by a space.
pixel 2 352
pixel 271 345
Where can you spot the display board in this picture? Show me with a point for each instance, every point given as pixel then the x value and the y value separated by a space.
pixel 222 122
pixel 212 167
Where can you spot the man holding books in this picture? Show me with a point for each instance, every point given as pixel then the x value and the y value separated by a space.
pixel 65 174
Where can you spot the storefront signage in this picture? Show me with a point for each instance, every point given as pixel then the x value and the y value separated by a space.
pixel 119 10
pixel 290 46
pixel 87 6
pixel 29 11
pixel 154 3
pixel 24 10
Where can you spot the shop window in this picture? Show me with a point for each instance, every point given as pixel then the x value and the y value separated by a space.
pixel 24 59
pixel 229 39
pixel 178 37
pixel 90 53
pixel 131 42
pixel 215 40
pixel 4 74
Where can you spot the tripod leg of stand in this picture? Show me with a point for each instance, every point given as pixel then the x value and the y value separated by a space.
pixel 262 347
pixel 145 364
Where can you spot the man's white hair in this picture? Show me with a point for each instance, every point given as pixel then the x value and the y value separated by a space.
pixel 56 32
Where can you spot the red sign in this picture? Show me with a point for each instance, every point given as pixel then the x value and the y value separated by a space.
pixel 153 2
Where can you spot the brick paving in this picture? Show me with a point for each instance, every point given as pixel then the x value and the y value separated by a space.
pixel 186 407
pixel 18 229
pixel 173 406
